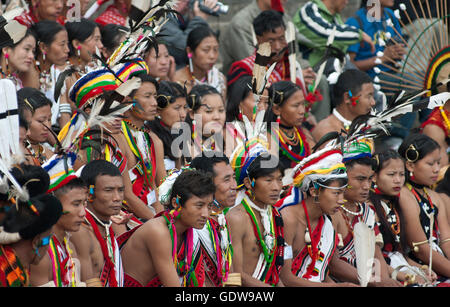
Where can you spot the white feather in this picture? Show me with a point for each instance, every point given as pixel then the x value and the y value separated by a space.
pixel 364 239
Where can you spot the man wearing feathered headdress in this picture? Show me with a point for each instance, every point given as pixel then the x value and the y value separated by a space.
pixel 317 193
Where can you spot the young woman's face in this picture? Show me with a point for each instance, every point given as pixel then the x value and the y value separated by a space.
pixel 159 65
pixel 174 112
pixel 58 51
pixel 38 133
pixel 426 170
pixel 212 112
pixel 248 104
pixel 206 54
pixel 88 47
pixel 391 177
pixel 292 112
pixel 21 58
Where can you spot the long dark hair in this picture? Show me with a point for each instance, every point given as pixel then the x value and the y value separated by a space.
pixel 237 92
pixel 444 185
pixel 168 93
pixel 380 161
pixel 79 30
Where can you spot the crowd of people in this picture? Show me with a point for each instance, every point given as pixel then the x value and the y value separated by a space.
pixel 141 148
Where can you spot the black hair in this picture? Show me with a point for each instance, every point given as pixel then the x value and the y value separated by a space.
pixel 75 183
pixel 268 21
pixel 169 92
pixel 197 35
pixel 415 147
pixel 79 30
pixel 97 168
pixel 350 80
pixel 237 92
pixel 46 31
pixel 206 164
pixel 111 34
pixel 191 183
pixel 279 93
pixel 32 98
pixel 444 185
pixel 257 169
pixel 27 223
pixel 195 97
pixel 380 159
pixel 367 161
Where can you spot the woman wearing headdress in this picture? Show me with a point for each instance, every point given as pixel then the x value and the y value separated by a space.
pixel 202 50
pixel 427 230
pixel 389 178
pixel 39 135
pixel 287 108
pixel 172 110
pixel 317 193
pixel 206 118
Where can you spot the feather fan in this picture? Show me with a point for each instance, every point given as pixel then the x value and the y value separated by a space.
pixel 364 239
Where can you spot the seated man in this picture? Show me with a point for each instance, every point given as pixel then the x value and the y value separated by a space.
pixel 256 226
pixel 270 27
pixel 353 95
pixel 358 161
pixel 95 243
pixel 238 39
pixel 165 251
pixel 316 20
pixel 58 268
pixel 217 227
